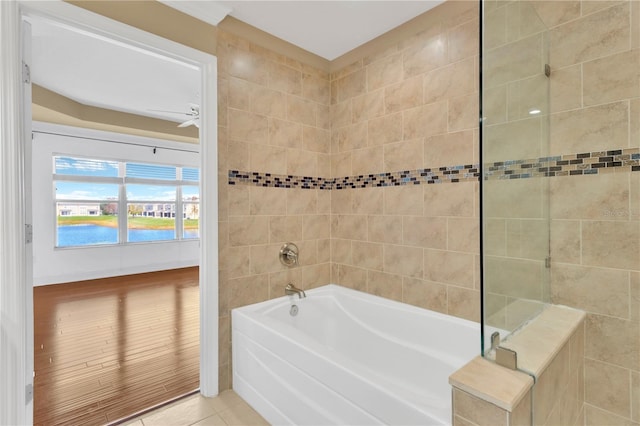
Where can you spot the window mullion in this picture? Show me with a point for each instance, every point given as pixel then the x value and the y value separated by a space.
pixel 86 179
pixel 179 214
pixel 149 181
pixel 122 205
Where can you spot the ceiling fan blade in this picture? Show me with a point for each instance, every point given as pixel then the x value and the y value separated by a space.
pixel 192 122
pixel 186 123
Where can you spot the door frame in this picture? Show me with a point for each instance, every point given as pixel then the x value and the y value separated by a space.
pixel 14 271
pixel 16 329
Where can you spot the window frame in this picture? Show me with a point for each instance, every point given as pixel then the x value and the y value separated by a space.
pixel 122 181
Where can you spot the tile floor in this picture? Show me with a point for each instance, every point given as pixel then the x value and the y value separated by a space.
pixel 226 409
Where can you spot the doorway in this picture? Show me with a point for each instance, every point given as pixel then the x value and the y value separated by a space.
pixel 109 344
pixel 17 355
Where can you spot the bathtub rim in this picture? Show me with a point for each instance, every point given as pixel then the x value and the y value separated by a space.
pixel 372 298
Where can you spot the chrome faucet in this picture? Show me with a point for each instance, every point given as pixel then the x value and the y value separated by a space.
pixel 291 289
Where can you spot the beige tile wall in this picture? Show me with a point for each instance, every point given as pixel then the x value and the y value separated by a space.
pixel 273 117
pixel 595 230
pixel 484 393
pixel 410 106
pixel 407 106
pixel 558 394
pixel 469 410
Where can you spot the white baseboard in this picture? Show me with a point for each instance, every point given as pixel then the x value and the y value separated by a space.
pixel 92 275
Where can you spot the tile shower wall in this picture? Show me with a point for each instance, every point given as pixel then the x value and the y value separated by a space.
pixel 273 118
pixel 410 106
pixel 595 220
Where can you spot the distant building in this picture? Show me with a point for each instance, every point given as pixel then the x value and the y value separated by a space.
pixel 153 210
pixel 190 210
pixel 79 209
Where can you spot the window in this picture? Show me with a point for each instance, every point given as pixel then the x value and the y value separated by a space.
pixel 157 224
pixel 79 222
pixel 85 167
pixel 190 212
pixel 110 202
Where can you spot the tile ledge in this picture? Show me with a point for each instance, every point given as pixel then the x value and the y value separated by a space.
pixel 539 341
pixel 492 383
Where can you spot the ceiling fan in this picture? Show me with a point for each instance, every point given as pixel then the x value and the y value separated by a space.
pixel 193 113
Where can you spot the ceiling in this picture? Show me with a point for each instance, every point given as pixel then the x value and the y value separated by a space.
pixel 102 73
pixel 327 28
pixel 99 72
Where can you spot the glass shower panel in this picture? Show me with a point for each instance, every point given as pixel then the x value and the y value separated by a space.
pixel 514 143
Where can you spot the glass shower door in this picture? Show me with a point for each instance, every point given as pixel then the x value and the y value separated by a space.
pixel 514 150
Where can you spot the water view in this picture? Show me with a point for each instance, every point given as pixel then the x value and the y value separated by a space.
pixel 84 235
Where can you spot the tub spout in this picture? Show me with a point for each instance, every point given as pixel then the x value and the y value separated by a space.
pixel 291 289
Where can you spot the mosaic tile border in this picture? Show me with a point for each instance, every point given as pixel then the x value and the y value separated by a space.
pixel 451 174
pixel 588 163
pixel 271 180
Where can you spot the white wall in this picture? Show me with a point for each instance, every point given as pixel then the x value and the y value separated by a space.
pixel 51 265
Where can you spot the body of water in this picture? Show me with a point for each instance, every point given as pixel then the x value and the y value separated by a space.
pixel 85 235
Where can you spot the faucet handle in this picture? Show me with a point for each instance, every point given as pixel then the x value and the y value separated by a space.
pixel 289 255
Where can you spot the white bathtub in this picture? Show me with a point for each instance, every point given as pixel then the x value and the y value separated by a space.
pixel 348 358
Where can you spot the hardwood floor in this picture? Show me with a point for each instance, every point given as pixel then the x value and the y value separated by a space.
pixel 108 348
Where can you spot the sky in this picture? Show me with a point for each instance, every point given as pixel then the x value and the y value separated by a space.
pixel 109 191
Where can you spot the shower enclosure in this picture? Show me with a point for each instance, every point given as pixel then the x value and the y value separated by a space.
pixel 561 157
pixel 514 91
